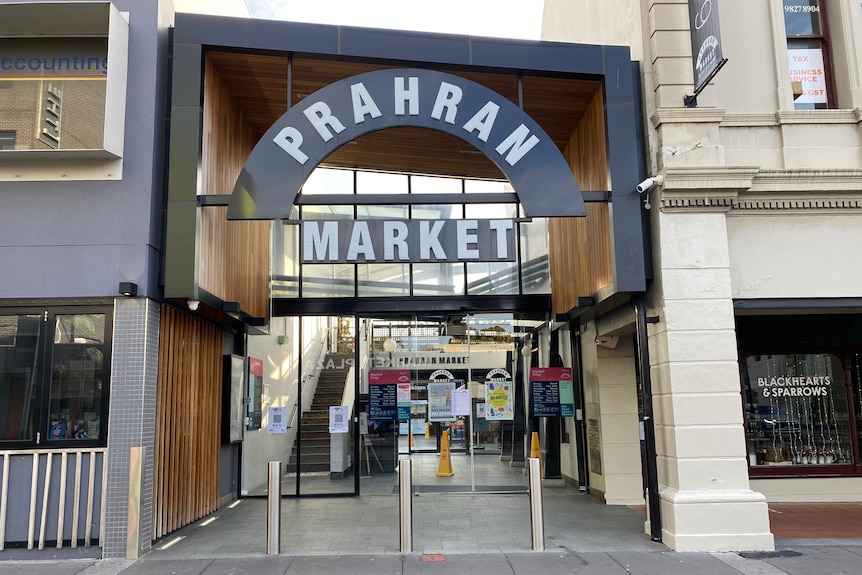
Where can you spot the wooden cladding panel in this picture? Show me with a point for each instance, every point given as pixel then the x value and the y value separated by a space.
pixel 188 422
pixel 234 256
pixel 580 248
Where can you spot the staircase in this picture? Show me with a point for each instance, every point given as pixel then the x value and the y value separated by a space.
pixel 314 431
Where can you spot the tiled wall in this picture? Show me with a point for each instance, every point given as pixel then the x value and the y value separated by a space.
pixel 131 422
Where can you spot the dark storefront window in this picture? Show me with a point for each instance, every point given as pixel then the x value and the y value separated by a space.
pixel 53 378
pixel 797 410
pixel 802 393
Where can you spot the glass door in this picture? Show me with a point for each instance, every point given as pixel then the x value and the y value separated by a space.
pixel 442 387
pixel 323 456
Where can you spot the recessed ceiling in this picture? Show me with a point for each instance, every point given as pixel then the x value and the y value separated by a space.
pixel 258 85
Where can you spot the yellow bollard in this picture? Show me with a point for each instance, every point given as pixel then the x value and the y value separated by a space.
pixel 445 468
pixel 427 431
pixel 536 452
pixel 411 433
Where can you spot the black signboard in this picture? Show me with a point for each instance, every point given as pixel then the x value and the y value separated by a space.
pixel 382 401
pixel 706 54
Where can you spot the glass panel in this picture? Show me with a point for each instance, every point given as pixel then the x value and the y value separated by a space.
pixel 492 278
pixel 382 212
pixel 802 17
pixel 796 407
pixel 807 74
pixel 856 384
pixel 380 183
pixel 488 187
pixel 383 279
pixel 323 455
pixel 491 211
pixel 19 376
pixel 535 269
pixel 285 261
pixel 438 212
pixel 441 279
pixel 328 181
pixel 328 280
pixel 65 104
pixel 432 185
pixel 75 401
pixel 327 212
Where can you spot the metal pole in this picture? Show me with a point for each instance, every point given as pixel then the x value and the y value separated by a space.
pixel 537 514
pixel 273 509
pixel 405 501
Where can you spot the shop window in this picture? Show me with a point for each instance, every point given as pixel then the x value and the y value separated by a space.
pixel 808 54
pixel 53 378
pixel 797 412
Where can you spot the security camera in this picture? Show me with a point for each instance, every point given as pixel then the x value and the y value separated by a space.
pixel 193 304
pixel 649 184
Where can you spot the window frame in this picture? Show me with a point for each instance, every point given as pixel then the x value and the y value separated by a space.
pixel 842 348
pixel 825 41
pixel 44 357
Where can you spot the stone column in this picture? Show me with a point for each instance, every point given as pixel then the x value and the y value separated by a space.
pixel 706 500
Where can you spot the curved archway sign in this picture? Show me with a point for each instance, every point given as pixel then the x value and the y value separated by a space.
pixel 345 110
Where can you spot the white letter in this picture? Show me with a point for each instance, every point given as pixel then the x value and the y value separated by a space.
pixel 315 244
pixel 363 103
pixel 516 142
pixel 427 235
pixel 500 228
pixel 289 139
pixel 465 239
pixel 483 121
pixel 395 235
pixel 320 116
pixel 409 93
pixel 360 242
pixel 448 97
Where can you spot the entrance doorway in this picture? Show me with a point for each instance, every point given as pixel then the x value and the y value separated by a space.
pixel 449 380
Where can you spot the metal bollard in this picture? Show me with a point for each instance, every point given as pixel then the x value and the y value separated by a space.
pixel 273 509
pixel 405 501
pixel 537 513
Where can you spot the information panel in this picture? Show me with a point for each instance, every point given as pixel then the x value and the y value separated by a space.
pixel 383 392
pixel 551 392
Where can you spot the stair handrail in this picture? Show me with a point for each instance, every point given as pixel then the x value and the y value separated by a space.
pixel 311 370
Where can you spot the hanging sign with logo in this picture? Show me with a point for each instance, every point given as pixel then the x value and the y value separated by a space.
pixel 551 392
pixel 706 54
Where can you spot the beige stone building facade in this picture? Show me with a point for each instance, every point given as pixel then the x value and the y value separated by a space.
pixel 755 353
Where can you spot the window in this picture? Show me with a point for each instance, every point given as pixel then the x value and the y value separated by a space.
pixel 7 139
pixel 53 377
pixel 808 54
pixel 797 412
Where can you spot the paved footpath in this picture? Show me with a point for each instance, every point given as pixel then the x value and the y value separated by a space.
pixel 828 559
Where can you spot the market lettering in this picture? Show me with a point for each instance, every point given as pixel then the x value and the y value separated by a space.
pixel 511 146
pixel 352 241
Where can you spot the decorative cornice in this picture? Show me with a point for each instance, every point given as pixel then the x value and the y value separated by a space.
pixel 746 120
pixel 705 188
pixel 732 120
pixel 687 116
pixel 818 116
pixel 719 188
pixel 807 180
